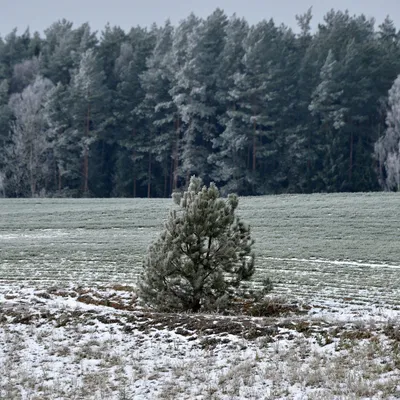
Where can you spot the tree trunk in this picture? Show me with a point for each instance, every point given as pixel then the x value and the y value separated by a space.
pixel 86 155
pixel 171 178
pixel 149 178
pixel 86 171
pixel 195 305
pixel 133 158
pixel 254 145
pixel 351 158
pixel 59 180
pixel 187 179
pixel 165 182
pixel 31 174
pixel 102 156
pixel 309 162
pixel 176 155
pixel 55 171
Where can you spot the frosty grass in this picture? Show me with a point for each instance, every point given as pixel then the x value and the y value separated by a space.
pixel 71 328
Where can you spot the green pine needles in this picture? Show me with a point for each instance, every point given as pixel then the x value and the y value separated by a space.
pixel 202 255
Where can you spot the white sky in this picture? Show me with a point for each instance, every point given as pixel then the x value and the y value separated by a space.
pixel 40 14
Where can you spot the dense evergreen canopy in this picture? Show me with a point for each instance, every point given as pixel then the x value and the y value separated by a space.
pixel 256 109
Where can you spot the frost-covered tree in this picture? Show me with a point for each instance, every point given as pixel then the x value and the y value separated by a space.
pixel 325 99
pixel 392 165
pixel 63 49
pixel 27 167
pixel 228 164
pixel 88 94
pixel 109 50
pixel 326 107
pixel 133 157
pixel 57 53
pixel 175 61
pixel 251 133
pixel 213 97
pixel 24 73
pixel 5 115
pixel 158 111
pixel 2 184
pixel 13 49
pixel 64 141
pixel 197 105
pixel 387 148
pixel 202 255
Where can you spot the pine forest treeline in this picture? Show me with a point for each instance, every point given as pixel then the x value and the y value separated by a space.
pixel 257 109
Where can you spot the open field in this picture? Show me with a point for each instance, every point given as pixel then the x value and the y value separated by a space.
pixel 332 246
pixel 71 327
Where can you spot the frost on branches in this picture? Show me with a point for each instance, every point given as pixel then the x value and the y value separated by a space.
pixel 202 255
pixel 387 148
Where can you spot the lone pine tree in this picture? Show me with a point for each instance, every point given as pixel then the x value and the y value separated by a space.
pixel 202 255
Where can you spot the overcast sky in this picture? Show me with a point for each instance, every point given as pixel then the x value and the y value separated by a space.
pixel 40 14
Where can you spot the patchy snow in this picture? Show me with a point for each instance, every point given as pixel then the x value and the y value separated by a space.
pixel 335 262
pixel 36 234
pixel 59 343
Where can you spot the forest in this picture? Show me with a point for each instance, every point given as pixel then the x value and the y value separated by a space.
pixel 257 109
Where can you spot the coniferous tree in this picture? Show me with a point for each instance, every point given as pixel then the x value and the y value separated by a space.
pixel 197 104
pixel 215 97
pixel 63 49
pixel 88 96
pixel 14 49
pixel 57 53
pixel 109 51
pixel 65 142
pixel 255 115
pixel 329 111
pixel 159 111
pixel 228 164
pixel 203 254
pixel 176 61
pixel 132 140
pixel 305 163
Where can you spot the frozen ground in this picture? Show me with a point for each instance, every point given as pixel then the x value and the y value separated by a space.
pixel 334 259
pixel 97 343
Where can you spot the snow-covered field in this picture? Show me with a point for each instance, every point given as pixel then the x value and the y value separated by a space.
pixel 59 344
pixel 71 328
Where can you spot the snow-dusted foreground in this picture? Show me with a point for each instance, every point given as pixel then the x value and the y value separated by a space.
pixel 62 344
pixel 338 254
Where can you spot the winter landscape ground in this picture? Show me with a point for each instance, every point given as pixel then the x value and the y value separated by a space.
pixel 71 326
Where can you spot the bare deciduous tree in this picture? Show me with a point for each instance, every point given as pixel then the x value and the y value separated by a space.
pixel 387 148
pixel 29 144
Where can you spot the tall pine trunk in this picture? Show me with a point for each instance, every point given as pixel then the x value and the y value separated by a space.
pixel 171 177
pixel 31 173
pixel 149 178
pixel 351 158
pixel 176 155
pixel 59 180
pixel 133 159
pixel 55 174
pixel 166 181
pixel 86 155
pixel 254 145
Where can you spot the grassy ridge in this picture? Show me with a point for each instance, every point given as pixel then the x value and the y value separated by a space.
pixel 98 240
